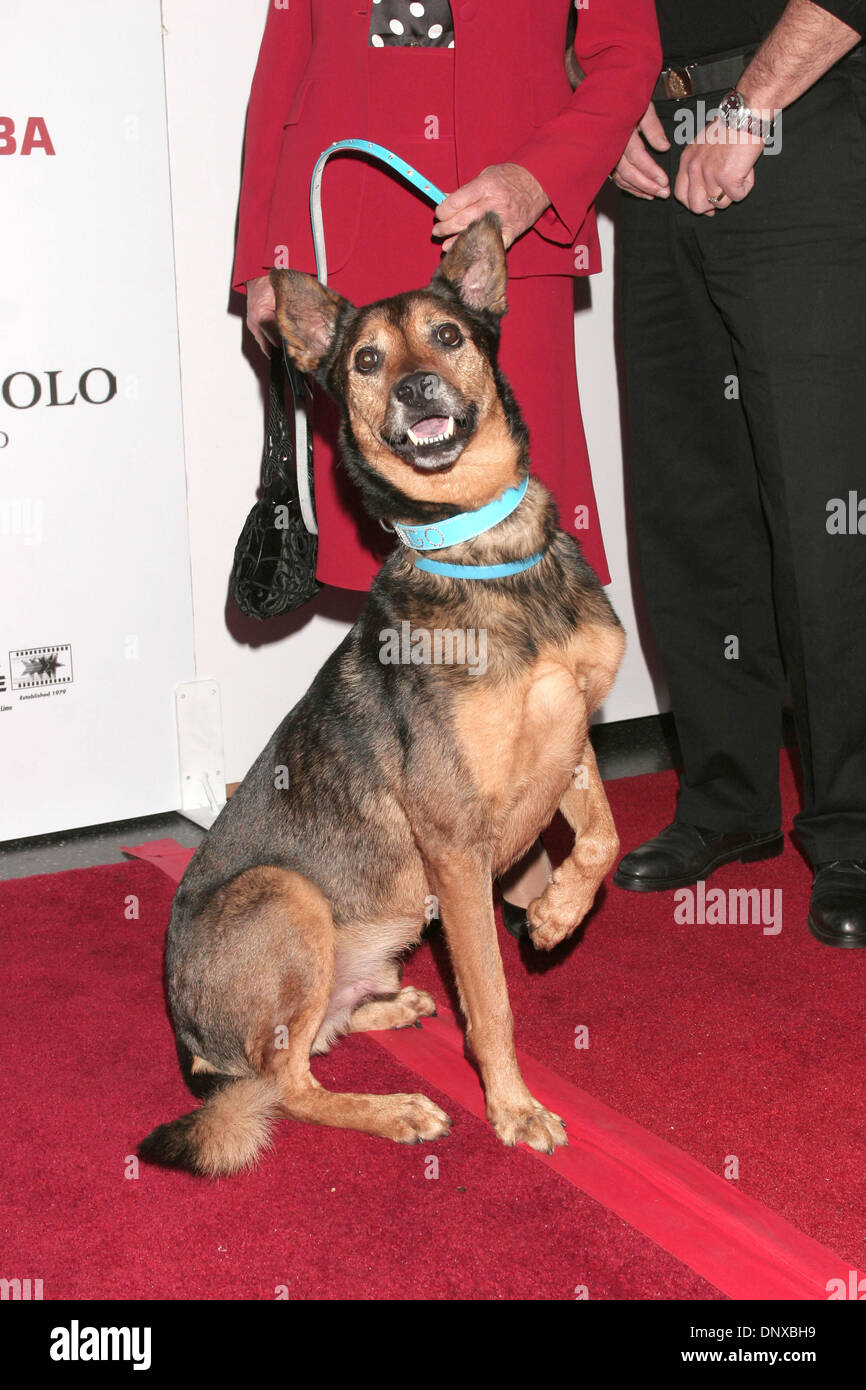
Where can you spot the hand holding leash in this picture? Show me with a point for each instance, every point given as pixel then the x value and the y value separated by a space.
pixel 509 190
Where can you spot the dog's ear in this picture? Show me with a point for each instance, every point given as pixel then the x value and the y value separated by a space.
pixel 307 315
pixel 475 266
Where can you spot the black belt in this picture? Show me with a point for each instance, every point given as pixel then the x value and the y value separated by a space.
pixel 694 79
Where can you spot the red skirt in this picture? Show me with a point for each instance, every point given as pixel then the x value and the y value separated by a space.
pixel 411 111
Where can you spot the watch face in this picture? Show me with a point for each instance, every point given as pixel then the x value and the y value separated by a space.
pixel 731 104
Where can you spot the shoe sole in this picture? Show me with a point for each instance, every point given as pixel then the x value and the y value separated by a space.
pixel 764 849
pixel 829 939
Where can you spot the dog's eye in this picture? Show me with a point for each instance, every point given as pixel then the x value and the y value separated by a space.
pixel 366 360
pixel 449 334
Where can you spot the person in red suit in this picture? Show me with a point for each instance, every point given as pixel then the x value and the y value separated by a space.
pixel 475 95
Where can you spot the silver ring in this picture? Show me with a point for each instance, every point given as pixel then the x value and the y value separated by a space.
pixel 715 198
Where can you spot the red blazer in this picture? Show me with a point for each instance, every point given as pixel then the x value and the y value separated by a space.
pixel 512 101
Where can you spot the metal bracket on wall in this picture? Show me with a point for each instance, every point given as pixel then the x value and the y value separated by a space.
pixel 200 751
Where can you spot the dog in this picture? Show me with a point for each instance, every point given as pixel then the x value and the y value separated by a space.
pixel 392 782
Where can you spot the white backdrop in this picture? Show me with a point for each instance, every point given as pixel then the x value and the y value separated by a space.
pixel 96 623
pixel 210 53
pixel 106 549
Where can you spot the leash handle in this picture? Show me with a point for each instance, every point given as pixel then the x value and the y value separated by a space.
pixel 411 176
pixel 385 156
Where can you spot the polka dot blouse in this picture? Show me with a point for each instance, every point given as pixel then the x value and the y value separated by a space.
pixel 411 24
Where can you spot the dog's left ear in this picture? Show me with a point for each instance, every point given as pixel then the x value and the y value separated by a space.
pixel 307 314
pixel 475 266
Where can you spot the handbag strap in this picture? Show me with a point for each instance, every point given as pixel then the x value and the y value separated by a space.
pixel 299 386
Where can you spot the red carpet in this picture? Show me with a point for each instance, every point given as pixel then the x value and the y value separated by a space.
pixel 90 1066
pixel 719 1039
pixel 704 1035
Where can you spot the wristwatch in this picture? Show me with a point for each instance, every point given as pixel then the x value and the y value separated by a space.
pixel 738 116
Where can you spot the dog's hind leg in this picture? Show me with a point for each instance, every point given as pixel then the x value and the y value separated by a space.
pixel 367 976
pixel 405 1118
pixel 253 991
pixel 245 972
pixel 405 1007
pixel 290 968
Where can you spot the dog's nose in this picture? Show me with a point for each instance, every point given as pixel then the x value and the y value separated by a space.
pixel 416 388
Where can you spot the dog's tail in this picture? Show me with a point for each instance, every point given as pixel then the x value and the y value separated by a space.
pixel 227 1133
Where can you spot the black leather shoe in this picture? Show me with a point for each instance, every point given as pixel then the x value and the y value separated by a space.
pixel 515 919
pixel 681 854
pixel 837 912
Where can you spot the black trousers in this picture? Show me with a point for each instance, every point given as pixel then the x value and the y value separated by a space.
pixel 745 345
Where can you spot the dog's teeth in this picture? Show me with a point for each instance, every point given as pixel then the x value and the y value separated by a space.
pixel 432 438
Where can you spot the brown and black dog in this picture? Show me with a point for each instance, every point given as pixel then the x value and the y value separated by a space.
pixel 391 781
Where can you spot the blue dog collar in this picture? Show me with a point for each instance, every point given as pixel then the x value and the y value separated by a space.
pixel 478 571
pixel 466 526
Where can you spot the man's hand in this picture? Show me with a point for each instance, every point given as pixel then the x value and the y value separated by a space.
pixel 507 189
pixel 261 313
pixel 720 162
pixel 637 171
pixel 805 44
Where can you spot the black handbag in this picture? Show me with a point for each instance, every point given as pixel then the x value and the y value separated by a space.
pixel 274 566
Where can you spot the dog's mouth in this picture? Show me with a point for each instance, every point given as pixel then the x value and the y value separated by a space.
pixel 433 442
pixel 435 429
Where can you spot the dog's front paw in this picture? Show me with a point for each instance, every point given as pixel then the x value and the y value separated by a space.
pixel 556 914
pixel 528 1122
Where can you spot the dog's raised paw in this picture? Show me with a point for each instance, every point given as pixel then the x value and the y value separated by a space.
pixel 554 916
pixel 547 929
pixel 530 1123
